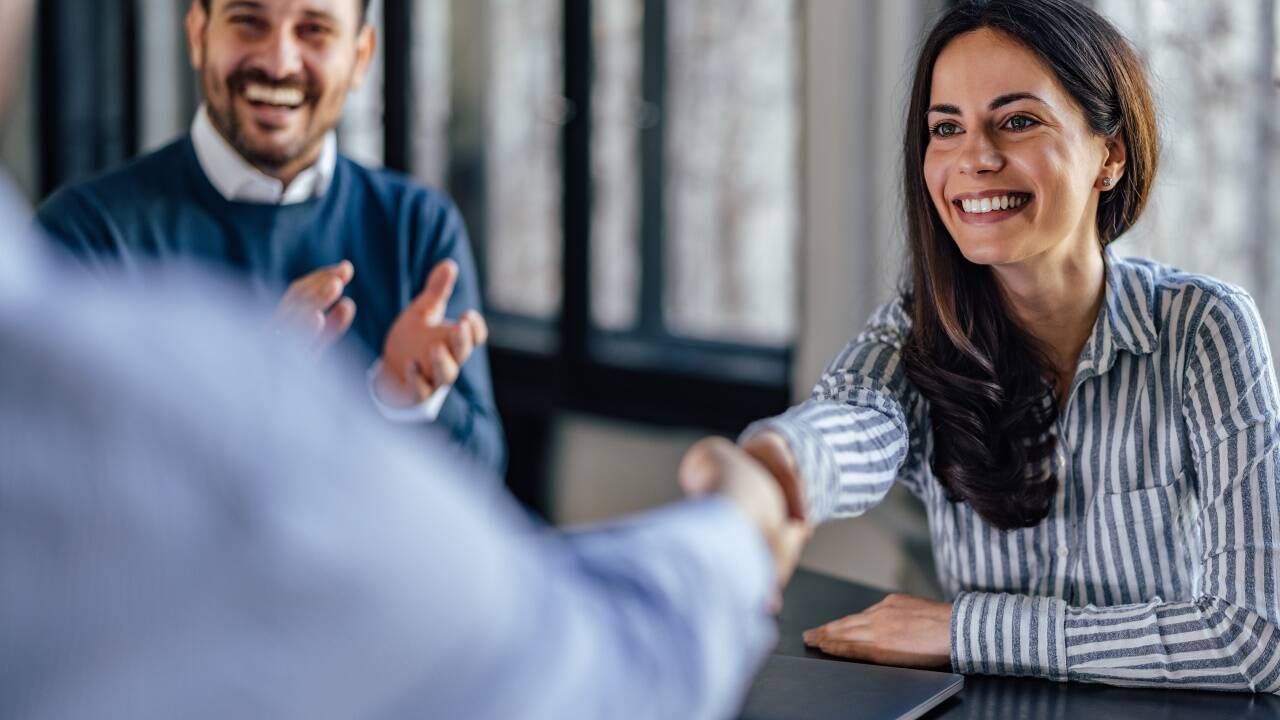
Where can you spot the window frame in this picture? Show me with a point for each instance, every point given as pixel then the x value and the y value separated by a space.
pixel 645 374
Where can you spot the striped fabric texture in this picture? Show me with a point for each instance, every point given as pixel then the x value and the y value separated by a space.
pixel 1158 563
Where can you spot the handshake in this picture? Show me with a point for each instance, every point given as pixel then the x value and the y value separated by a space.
pixel 762 480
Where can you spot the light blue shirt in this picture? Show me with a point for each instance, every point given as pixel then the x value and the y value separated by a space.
pixel 197 521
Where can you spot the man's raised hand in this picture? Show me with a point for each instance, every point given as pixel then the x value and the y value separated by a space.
pixel 424 351
pixel 314 305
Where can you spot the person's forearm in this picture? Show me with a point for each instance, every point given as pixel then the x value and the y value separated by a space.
pixel 683 593
pixel 1208 643
pixel 848 456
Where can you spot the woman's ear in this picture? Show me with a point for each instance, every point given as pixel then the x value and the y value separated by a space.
pixel 1112 163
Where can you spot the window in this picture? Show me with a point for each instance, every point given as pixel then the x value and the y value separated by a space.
pixel 731 178
pixel 629 171
pixel 694 170
pixel 620 115
pixel 360 134
pixel 1216 73
pixel 526 112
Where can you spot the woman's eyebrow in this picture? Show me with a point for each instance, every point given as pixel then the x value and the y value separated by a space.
pixel 1007 98
pixel 1015 97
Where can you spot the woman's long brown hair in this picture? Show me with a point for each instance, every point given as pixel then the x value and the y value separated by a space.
pixel 987 380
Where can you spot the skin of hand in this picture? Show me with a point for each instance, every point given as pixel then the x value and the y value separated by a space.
pixel 314 304
pixel 423 351
pixel 901 630
pixel 771 450
pixel 717 465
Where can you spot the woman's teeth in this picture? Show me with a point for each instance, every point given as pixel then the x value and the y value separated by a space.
pixel 986 205
pixel 283 97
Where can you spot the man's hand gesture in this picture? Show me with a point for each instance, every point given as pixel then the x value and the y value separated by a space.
pixel 423 351
pixel 314 304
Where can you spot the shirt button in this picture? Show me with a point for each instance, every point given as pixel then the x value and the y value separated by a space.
pixel 1063 551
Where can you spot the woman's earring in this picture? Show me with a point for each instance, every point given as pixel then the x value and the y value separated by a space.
pixel 1106 182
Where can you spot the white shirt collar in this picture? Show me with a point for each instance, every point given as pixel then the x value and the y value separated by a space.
pixel 236 180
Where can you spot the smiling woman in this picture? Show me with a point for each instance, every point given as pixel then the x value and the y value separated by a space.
pixel 1095 439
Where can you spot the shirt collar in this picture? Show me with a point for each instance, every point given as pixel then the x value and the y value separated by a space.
pixel 1127 318
pixel 237 180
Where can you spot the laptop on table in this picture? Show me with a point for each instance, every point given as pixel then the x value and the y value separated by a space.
pixel 799 683
pixel 799 688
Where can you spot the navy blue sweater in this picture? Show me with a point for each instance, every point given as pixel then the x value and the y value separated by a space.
pixel 162 206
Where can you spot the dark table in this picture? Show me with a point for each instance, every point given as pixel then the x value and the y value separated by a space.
pixel 812 599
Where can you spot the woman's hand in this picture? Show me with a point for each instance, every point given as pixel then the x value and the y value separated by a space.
pixel 771 450
pixel 715 465
pixel 901 630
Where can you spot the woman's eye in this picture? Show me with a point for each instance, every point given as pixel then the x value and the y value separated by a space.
pixel 944 129
pixel 1019 123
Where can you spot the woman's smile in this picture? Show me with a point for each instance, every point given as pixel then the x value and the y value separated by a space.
pixel 990 206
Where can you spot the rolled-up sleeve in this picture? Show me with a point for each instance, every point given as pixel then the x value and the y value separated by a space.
pixel 852 439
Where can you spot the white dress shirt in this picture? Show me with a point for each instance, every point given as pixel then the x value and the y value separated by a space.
pixel 239 181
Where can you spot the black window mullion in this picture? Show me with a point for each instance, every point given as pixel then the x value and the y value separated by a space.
pixel 652 149
pixel 130 111
pixel 575 315
pixel 397 24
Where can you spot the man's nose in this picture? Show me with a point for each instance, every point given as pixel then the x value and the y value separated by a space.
pixel 281 56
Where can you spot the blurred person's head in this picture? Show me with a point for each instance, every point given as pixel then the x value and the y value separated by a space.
pixel 276 73
pixel 15 30
pixel 1030 144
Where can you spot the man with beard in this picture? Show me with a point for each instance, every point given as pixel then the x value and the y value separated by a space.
pixel 258 187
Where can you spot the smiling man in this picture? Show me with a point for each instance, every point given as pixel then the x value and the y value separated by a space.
pixel 258 187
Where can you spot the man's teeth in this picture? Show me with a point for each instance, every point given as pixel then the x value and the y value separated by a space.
pixel 284 97
pixel 986 205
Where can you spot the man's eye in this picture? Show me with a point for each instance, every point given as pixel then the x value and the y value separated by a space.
pixel 248 21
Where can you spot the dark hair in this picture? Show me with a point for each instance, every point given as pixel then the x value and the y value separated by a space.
pixel 986 378
pixel 364 8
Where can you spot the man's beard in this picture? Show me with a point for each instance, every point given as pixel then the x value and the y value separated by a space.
pixel 228 122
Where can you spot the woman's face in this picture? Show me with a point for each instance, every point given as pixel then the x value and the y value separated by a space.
pixel 1012 167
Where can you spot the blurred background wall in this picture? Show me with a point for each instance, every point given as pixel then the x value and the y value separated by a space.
pixel 682 209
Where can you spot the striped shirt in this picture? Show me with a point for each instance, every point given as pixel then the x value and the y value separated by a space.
pixel 1158 562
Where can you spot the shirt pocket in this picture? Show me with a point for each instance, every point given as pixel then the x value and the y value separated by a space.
pixel 1137 541
pixel 1127 467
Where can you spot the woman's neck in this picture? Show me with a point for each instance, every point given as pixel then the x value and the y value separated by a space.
pixel 1056 296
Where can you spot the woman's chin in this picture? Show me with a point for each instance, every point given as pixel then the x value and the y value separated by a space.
pixel 987 252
